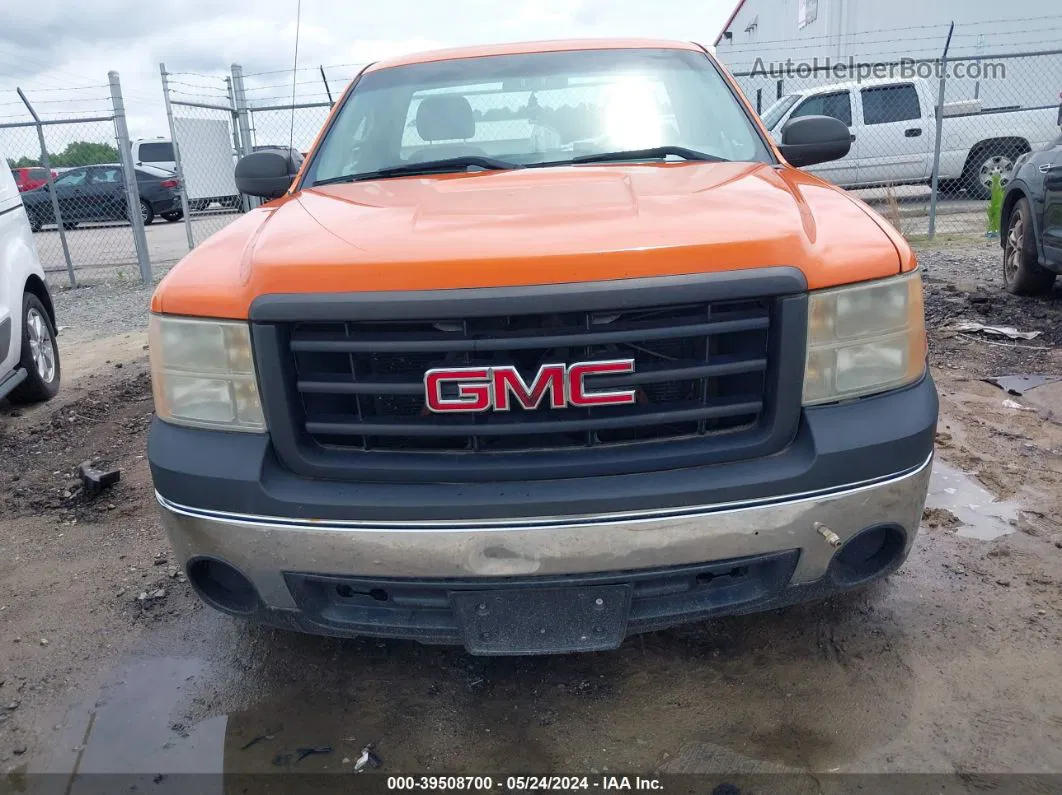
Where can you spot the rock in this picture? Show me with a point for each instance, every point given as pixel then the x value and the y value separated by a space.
pixel 118 365
pixel 1003 581
pixel 159 594
pixel 160 560
pixel 44 641
pixel 94 481
pixel 19 751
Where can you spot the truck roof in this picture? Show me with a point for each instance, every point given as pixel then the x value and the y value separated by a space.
pixel 519 48
pixel 851 84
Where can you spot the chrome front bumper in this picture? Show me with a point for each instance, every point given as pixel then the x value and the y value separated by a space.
pixel 265 548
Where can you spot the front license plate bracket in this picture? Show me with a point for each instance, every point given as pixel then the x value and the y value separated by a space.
pixel 542 620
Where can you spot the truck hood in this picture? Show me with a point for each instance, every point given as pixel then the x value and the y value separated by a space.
pixel 536 226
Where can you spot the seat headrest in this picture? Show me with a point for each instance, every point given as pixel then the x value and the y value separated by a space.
pixel 445 119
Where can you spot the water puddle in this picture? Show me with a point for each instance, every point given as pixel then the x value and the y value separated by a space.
pixel 133 728
pixel 982 515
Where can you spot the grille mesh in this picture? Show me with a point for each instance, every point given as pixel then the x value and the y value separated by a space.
pixel 700 370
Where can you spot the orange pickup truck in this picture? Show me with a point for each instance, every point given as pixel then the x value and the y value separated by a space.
pixel 543 345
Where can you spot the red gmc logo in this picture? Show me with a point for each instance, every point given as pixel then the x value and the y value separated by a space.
pixel 499 388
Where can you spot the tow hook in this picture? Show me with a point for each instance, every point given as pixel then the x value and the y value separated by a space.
pixel 831 537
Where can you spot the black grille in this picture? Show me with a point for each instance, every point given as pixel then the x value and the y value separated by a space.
pixel 701 370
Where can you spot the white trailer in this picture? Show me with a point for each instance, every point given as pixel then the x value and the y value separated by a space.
pixel 208 162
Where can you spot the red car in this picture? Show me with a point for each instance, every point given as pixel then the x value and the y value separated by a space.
pixel 30 178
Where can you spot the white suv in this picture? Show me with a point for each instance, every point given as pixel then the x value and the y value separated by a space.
pixel 156 152
pixel 29 356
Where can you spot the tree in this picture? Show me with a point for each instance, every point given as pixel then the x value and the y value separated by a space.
pixel 76 153
pixel 23 162
pixel 84 153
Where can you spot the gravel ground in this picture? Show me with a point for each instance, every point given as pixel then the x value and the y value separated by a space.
pixel 103 303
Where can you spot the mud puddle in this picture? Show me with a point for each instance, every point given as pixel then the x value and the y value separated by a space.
pixel 981 515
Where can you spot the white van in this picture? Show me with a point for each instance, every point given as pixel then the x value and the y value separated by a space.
pixel 157 152
pixel 29 355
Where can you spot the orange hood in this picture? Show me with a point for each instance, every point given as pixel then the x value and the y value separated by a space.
pixel 535 226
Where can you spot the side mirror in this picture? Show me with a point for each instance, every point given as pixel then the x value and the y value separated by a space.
pixel 808 140
pixel 267 174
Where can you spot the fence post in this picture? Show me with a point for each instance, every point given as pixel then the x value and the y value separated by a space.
pixel 934 190
pixel 185 207
pixel 244 122
pixel 51 188
pixel 237 146
pixel 132 193
pixel 328 90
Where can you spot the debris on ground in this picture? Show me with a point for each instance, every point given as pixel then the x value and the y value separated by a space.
pixel 1013 404
pixel 269 735
pixel 1009 332
pixel 95 481
pixel 367 759
pixel 940 518
pixel 1020 384
pixel 302 753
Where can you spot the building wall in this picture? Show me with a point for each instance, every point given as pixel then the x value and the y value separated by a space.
pixel 873 31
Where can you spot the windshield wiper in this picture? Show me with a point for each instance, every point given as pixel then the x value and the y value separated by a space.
pixel 449 164
pixel 653 153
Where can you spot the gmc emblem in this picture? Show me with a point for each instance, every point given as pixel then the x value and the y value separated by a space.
pixel 499 388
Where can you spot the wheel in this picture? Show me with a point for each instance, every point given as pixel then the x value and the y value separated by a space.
pixel 40 354
pixel 987 161
pixel 173 217
pixel 147 215
pixel 1022 273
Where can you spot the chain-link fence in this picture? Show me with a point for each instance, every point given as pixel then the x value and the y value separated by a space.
pixel 74 174
pixel 958 124
pixel 289 108
pixel 216 119
pixel 202 150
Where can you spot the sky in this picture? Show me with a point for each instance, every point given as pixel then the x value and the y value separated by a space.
pixel 60 51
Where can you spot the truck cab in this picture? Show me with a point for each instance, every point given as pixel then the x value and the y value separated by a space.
pixel 893 131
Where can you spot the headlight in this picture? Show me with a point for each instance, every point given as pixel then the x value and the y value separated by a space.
pixel 865 338
pixel 202 374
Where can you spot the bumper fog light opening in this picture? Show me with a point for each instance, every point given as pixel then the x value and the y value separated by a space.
pixel 868 554
pixel 222 586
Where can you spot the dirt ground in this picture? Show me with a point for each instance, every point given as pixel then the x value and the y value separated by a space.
pixel 109 663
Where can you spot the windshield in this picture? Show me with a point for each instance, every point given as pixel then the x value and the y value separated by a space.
pixel 774 114
pixel 534 109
